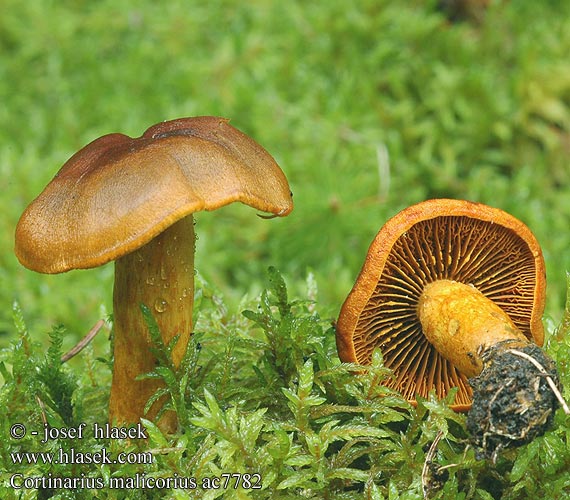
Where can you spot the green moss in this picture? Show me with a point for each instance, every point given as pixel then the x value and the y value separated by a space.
pixel 475 111
pixel 291 421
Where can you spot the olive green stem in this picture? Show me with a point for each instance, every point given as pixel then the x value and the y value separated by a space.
pixel 159 275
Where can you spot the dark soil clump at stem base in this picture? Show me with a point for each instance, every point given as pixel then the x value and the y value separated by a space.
pixel 512 401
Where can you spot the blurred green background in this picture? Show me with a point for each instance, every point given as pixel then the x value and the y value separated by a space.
pixel 368 106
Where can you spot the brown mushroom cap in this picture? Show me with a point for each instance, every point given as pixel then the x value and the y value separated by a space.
pixel 118 193
pixel 438 239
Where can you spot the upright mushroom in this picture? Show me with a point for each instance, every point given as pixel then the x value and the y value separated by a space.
pixel 131 200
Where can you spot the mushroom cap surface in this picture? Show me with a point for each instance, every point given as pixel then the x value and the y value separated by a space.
pixel 438 239
pixel 117 193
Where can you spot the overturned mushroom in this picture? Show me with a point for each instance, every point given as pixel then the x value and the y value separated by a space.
pixel 447 288
pixel 131 200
